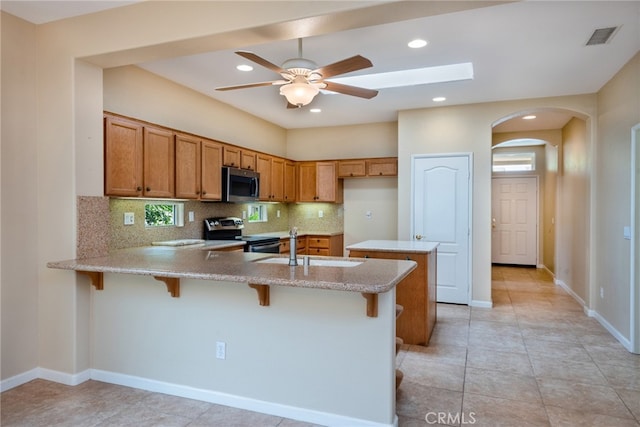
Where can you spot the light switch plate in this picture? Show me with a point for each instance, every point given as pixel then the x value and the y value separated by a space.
pixel 129 218
pixel 626 232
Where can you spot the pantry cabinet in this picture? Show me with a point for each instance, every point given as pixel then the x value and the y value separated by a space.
pixel 318 182
pixel 139 160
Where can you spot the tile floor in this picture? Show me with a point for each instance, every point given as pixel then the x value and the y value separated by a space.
pixel 534 359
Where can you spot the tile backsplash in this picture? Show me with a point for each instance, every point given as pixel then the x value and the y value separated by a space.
pixel 305 216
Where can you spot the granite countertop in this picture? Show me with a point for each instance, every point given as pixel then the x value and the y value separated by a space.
pixel 371 276
pixel 411 246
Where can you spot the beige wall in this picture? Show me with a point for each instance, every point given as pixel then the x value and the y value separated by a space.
pixel 19 171
pixel 618 112
pixel 550 208
pixel 573 222
pixel 137 93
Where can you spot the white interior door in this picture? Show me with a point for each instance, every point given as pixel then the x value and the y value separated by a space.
pixel 514 237
pixel 441 213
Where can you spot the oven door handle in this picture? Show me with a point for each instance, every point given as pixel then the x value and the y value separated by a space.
pixel 265 248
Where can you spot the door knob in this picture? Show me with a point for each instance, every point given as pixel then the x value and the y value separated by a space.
pixel 418 236
pixel 493 223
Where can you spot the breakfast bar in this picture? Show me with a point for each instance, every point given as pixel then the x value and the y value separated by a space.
pixel 308 348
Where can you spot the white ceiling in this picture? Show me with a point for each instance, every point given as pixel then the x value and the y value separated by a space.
pixel 519 50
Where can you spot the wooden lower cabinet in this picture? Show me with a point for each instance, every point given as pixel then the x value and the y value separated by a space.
pixel 319 245
pixel 325 245
pixel 416 294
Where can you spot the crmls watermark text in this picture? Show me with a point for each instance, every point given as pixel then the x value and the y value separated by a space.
pixel 450 418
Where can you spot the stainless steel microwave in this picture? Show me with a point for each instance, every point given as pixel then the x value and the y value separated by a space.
pixel 240 185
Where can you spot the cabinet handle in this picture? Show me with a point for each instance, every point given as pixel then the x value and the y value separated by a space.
pixel 366 256
pixel 379 173
pixel 408 259
pixel 204 192
pixel 419 236
pixel 138 188
pixel 148 189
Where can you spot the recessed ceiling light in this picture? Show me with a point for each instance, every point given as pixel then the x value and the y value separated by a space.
pixel 530 117
pixel 439 99
pixel 417 43
pixel 244 67
pixel 315 110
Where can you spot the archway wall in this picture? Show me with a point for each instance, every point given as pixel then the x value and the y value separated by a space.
pixel 545 171
pixel 468 128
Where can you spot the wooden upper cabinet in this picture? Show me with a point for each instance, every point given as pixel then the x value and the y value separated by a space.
pixel 198 168
pixel 159 163
pixel 263 167
pixel 188 168
pixel 306 182
pixel 277 179
pixel 352 168
pixel 211 167
pixel 248 160
pixel 382 167
pixel 139 160
pixel 289 181
pixel 318 182
pixel 232 156
pixel 122 157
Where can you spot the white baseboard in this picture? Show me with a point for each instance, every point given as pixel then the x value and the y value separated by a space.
pixel 45 374
pixel 613 331
pixel 481 304
pixel 19 379
pixel 280 410
pixel 593 313
pixel 65 378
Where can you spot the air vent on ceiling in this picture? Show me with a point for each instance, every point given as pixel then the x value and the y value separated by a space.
pixel 601 36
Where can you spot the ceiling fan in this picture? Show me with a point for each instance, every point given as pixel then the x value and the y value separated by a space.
pixel 302 79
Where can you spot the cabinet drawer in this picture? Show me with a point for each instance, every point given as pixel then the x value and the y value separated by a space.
pixel 319 242
pixel 318 251
pixel 284 246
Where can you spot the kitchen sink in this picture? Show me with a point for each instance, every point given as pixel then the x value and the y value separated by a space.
pixel 313 262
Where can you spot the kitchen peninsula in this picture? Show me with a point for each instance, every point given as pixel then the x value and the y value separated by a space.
pixel 308 346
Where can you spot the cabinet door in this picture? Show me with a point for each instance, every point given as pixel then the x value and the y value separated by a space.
pixel 307 182
pixel 248 160
pixel 187 167
pixel 211 179
pixel 289 181
pixel 382 167
pixel 263 167
pixel 327 185
pixel 277 179
pixel 159 163
pixel 122 158
pixel 232 156
pixel 351 168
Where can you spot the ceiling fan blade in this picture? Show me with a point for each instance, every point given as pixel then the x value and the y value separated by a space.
pixel 261 61
pixel 345 66
pixel 248 85
pixel 350 90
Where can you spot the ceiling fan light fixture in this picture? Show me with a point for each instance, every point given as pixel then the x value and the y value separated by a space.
pixel 299 94
pixel 244 67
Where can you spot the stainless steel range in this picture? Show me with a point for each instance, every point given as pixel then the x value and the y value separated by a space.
pixel 230 228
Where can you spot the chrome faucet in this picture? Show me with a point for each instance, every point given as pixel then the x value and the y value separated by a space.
pixel 293 247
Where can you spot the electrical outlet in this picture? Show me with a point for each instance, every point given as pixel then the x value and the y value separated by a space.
pixel 244 214
pixel 601 292
pixel 129 218
pixel 221 350
pixel 192 217
pixel 320 214
pixel 278 213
